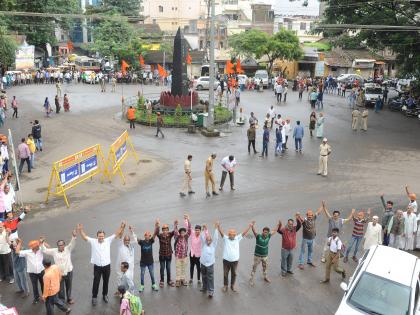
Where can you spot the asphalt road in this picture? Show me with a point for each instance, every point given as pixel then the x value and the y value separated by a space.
pixel 362 165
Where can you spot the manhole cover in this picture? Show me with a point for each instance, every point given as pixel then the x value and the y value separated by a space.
pixel 132 174
pixel 41 190
pixel 145 161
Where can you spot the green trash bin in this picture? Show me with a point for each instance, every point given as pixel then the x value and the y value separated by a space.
pixel 200 119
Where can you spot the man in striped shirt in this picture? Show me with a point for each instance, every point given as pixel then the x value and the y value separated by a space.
pixel 357 234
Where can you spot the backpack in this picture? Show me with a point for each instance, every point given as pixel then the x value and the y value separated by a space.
pixel 135 304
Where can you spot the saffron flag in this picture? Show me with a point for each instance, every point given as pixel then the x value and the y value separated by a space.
pixel 70 46
pixel 229 67
pixel 162 71
pixel 189 59
pixel 238 67
pixel 124 66
pixel 141 60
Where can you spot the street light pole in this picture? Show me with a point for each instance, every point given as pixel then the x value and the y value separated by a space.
pixel 210 121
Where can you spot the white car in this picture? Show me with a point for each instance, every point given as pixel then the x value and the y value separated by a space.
pixel 203 83
pixel 372 91
pixel 385 282
pixel 261 75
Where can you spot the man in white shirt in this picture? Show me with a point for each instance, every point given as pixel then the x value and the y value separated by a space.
pixel 8 198
pixel 373 235
pixel 100 259
pixel 231 255
pixel 228 166
pixel 333 257
pixel 62 258
pixel 5 155
pixel 410 228
pixel 208 258
pixel 34 266
pixel 126 254
pixel 288 132
pixel 272 114
pixel 5 256
pixel 279 92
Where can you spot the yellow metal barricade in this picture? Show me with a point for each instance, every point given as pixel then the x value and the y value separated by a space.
pixel 118 152
pixel 75 169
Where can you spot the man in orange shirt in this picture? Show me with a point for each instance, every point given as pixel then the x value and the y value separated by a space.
pixel 52 279
pixel 131 116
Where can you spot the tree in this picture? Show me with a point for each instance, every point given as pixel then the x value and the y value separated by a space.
pixel 123 7
pixel 384 12
pixel 7 48
pixel 116 39
pixel 255 43
pixel 38 30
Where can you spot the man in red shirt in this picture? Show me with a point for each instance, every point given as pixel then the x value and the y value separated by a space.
pixel 12 223
pixel 288 244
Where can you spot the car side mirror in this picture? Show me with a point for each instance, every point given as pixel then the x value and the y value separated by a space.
pixel 344 286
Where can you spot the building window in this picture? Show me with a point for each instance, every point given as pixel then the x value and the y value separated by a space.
pixel 290 26
pixel 161 9
pixel 141 8
pixel 221 45
pixel 302 26
pixel 154 21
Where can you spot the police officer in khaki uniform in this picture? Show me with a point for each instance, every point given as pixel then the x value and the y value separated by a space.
pixel 209 176
pixel 365 115
pixel 324 152
pixel 186 186
pixel 355 115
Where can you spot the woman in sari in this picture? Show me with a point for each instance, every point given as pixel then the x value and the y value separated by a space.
pixel 312 123
pixel 66 103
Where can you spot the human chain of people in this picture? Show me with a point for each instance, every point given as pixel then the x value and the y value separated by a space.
pixel 50 269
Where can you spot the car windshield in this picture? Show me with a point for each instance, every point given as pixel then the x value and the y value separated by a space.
pixel 376 295
pixel 373 91
pixel 261 75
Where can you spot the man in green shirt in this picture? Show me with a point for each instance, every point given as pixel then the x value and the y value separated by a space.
pixel 261 251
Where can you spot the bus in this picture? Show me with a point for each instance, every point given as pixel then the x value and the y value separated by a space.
pixel 84 63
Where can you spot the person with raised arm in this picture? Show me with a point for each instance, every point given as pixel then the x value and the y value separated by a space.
pixel 100 259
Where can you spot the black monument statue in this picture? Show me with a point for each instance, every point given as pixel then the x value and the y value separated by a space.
pixel 179 73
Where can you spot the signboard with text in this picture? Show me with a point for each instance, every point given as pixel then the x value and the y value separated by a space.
pixel 25 57
pixel 118 152
pixel 75 169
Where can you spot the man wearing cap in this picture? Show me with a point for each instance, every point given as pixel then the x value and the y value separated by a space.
pixel 52 278
pixel 308 236
pixel 355 116
pixel 228 166
pixel 209 176
pixel 62 258
pixel 231 255
pixel 165 252
pixel 373 235
pixel 159 125
pixel 365 115
pixel 410 228
pixel 181 237
pixel 6 269
pixel 34 266
pixel 100 259
pixel 324 152
pixel 412 198
pixel 186 186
